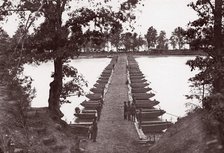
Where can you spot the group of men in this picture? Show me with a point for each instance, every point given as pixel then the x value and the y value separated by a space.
pixel 130 112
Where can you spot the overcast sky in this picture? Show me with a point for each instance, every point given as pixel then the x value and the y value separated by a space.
pixel 161 14
pixel 165 15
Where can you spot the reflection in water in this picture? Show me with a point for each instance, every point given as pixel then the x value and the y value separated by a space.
pixel 89 68
pixel 168 78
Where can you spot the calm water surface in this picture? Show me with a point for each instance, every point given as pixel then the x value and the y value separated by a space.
pixel 89 68
pixel 168 76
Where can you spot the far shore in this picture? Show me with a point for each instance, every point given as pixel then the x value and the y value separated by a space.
pixel 154 53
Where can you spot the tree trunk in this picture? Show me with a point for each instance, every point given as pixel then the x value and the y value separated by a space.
pixel 218 82
pixel 56 84
pixel 218 26
pixel 56 88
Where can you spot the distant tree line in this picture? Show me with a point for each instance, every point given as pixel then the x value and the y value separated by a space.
pixel 109 38
pixel 177 40
pixel 132 41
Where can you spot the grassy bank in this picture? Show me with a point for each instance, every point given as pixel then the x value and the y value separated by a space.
pixel 192 134
pixel 32 130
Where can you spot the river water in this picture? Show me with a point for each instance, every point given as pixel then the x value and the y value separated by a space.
pixel 90 69
pixel 168 76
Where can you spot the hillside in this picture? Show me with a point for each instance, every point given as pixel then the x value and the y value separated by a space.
pixel 191 134
pixel 32 130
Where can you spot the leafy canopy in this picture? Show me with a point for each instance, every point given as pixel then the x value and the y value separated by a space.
pixel 64 31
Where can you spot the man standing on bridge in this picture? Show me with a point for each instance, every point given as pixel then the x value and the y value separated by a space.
pixel 125 110
pixel 133 112
pixel 98 109
pixel 129 111
pixel 139 117
pixel 94 130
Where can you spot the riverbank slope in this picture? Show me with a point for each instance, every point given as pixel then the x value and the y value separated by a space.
pixel 32 130
pixel 191 134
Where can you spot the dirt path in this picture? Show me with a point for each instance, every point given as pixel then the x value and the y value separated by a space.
pixel 115 135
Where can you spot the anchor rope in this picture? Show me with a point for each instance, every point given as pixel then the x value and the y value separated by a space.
pixel 172 115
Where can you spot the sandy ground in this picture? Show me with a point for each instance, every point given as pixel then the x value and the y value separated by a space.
pixel 115 135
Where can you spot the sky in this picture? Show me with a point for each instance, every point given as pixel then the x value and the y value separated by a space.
pixel 161 14
pixel 165 15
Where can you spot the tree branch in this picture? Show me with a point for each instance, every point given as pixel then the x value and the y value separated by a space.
pixel 212 6
pixel 28 24
pixel 16 10
pixel 63 4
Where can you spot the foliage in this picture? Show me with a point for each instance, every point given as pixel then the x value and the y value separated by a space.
pixel 127 40
pixel 4 41
pixel 200 34
pixel 21 93
pixel 139 41
pixel 131 41
pixel 173 42
pixel 74 84
pixel 59 40
pixel 162 42
pixel 134 41
pixel 151 37
pixel 115 36
pixel 95 39
pixel 207 33
pixel 178 38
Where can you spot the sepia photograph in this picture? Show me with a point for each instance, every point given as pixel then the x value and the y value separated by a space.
pixel 111 76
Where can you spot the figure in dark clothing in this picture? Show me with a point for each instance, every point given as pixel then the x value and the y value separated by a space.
pixel 102 94
pixel 11 145
pixel 98 109
pixel 94 130
pixel 90 132
pixel 76 147
pixel 139 117
pixel 101 101
pixel 134 101
pixel 133 112
pixel 77 110
pixel 129 111
pixel 125 110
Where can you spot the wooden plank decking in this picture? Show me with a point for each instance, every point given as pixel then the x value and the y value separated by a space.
pixel 115 135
